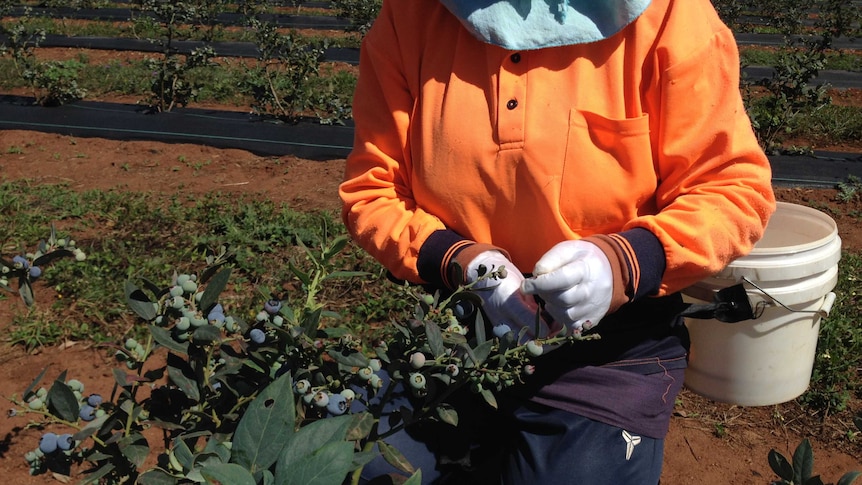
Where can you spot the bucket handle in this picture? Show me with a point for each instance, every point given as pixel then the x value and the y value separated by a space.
pixel 760 306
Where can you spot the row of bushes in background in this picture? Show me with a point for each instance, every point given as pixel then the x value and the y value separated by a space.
pixel 285 80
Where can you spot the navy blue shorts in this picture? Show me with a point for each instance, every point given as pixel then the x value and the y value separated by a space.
pixel 523 445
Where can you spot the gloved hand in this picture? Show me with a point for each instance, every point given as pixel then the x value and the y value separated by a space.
pixel 575 280
pixel 503 301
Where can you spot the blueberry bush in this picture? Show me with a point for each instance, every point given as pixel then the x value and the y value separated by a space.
pixel 281 393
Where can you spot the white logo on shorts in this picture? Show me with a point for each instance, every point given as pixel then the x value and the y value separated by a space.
pixel 631 442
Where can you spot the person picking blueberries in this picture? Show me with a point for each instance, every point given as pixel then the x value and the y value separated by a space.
pixel 598 150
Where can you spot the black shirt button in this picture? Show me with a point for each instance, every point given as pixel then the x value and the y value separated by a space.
pixel 512 104
pixel 516 58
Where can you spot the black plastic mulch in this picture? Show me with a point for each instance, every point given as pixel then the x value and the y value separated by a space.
pixel 308 139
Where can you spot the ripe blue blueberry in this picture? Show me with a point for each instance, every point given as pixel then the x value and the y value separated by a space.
pixel 87 412
pixel 65 442
pixel 48 443
pixel 337 405
pixel 501 330
pixel 272 306
pixel 257 336
pixel 20 262
pixel 94 400
pixel 463 309
pixel 35 272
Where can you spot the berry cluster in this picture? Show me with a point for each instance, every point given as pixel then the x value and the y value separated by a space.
pixel 28 267
pixel 55 450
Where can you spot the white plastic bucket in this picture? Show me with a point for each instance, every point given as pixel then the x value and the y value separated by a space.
pixel 768 360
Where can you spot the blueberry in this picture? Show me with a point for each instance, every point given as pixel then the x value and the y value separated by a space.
pixel 417 381
pixel 337 405
pixel 417 360
pixel 463 309
pixel 87 412
pixel 272 306
pixel 534 348
pixel 501 330
pixel 48 443
pixel 20 262
pixel 321 399
pixel 35 272
pixel 65 442
pixel 257 336
pixel 94 400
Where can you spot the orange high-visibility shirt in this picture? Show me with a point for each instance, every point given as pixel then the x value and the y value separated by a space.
pixel 522 150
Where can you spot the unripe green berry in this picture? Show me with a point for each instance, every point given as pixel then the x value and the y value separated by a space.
pixel 365 373
pixel 131 343
pixel 176 290
pixel 278 320
pixel 321 399
pixel 348 394
pixel 534 348
pixel 190 286
pixel 183 324
pixel 417 381
pixel 375 364
pixel 428 299
pixel 417 360
pixel 35 404
pixel 75 385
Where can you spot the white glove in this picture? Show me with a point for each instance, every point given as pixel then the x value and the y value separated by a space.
pixel 575 280
pixel 504 303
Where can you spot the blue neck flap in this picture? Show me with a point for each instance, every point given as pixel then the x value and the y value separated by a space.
pixel 534 24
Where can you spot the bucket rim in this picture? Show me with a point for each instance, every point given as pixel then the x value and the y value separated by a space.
pixel 790 208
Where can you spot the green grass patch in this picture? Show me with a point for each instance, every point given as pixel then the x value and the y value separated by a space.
pixel 129 235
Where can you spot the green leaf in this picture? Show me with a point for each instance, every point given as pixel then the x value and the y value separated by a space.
pixel 105 470
pixel 477 356
pixel 435 339
pixel 306 280
pixel 26 291
pixel 181 374
pixel 780 466
pixel 206 334
pixel 360 426
pixel 310 322
pixel 848 478
pixel 227 474
pixel 338 244
pixel 327 465
pixel 163 337
pixel 415 479
pixel 447 414
pixel 62 401
pixel 29 391
pixel 308 441
pixel 803 462
pixel 135 448
pixel 266 426
pixel 353 359
pixel 394 457
pixel 140 303
pixel 345 274
pixel 489 397
pixel 157 476
pixel 55 254
pixel 214 288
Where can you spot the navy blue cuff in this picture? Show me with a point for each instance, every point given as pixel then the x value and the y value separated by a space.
pixel 650 260
pixel 436 253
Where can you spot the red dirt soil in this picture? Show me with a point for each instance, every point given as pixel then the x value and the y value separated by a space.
pixel 709 442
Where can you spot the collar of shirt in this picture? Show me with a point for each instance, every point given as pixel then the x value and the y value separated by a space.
pixel 535 24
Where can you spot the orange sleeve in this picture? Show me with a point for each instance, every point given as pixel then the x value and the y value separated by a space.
pixel 714 195
pixel 378 205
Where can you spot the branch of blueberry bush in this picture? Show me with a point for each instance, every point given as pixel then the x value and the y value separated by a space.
pixel 281 394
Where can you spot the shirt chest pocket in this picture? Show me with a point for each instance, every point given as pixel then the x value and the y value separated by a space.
pixel 608 173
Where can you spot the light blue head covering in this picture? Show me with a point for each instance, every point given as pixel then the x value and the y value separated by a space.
pixel 533 24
